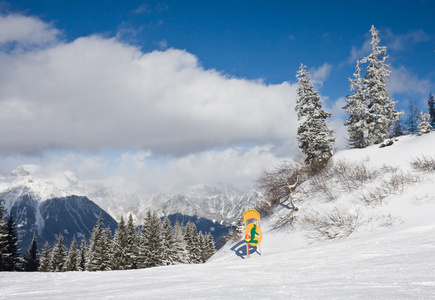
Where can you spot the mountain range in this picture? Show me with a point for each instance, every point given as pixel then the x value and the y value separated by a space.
pixel 49 205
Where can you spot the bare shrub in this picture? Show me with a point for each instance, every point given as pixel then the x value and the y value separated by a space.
pixel 279 184
pixel 353 176
pixel 424 163
pixel 320 183
pixel 399 180
pixel 286 221
pixel 341 174
pixel 331 225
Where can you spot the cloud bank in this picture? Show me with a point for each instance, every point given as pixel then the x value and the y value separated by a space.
pixel 95 94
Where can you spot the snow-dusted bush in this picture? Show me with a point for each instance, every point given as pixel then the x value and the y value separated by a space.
pixel 337 223
pixel 279 184
pixel 424 163
pixel 341 175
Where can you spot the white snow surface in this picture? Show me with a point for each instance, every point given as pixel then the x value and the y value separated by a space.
pixel 390 255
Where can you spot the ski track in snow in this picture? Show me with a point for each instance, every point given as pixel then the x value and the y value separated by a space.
pixel 396 265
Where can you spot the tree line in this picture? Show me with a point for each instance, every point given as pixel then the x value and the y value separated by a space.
pixel 155 243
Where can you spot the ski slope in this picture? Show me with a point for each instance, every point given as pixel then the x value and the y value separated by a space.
pixel 391 255
pixel 387 265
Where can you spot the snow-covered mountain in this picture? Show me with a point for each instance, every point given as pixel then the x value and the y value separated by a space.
pixel 42 207
pixel 379 245
pixel 219 202
pixel 31 195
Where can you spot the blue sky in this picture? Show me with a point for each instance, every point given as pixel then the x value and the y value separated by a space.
pixel 152 88
pixel 257 39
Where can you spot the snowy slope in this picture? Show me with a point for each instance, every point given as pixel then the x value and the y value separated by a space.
pixel 389 253
pixel 397 265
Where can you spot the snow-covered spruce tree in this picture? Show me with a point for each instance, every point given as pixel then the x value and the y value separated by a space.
pixel 357 110
pixel 314 136
pixel 132 250
pixel 3 237
pixel 411 121
pixel 192 243
pixel 108 246
pixel 58 256
pixel 83 254
pixel 31 259
pixel 73 256
pixel 120 244
pixel 431 105
pixel 424 123
pixel 11 256
pixel 98 254
pixel 152 246
pixel 382 113
pixel 180 244
pixel 207 246
pixel 169 253
pixel 45 265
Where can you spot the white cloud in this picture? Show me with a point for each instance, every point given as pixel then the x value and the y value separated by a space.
pixel 402 41
pixel 320 74
pixel 26 31
pixel 403 81
pixel 96 93
pixel 136 160
pixel 359 53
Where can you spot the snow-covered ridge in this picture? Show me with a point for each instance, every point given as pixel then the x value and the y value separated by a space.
pixel 24 180
pixel 220 202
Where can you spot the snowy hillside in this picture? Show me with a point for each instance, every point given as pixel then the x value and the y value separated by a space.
pixel 365 229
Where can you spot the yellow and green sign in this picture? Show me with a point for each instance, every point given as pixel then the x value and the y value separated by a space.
pixel 251 214
pixel 253 234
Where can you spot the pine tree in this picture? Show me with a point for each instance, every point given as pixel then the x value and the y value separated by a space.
pixel 192 243
pixel 73 256
pixel 431 104
pixel 83 254
pixel 169 252
pixel 3 237
pixel 412 118
pixel 132 250
pixel 152 240
pixel 108 248
pixel 11 256
pixel 357 110
pixel 120 245
pixel 314 136
pixel 180 244
pixel 97 258
pixel 59 255
pixel 31 259
pixel 45 265
pixel 208 248
pixel 424 123
pixel 382 113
